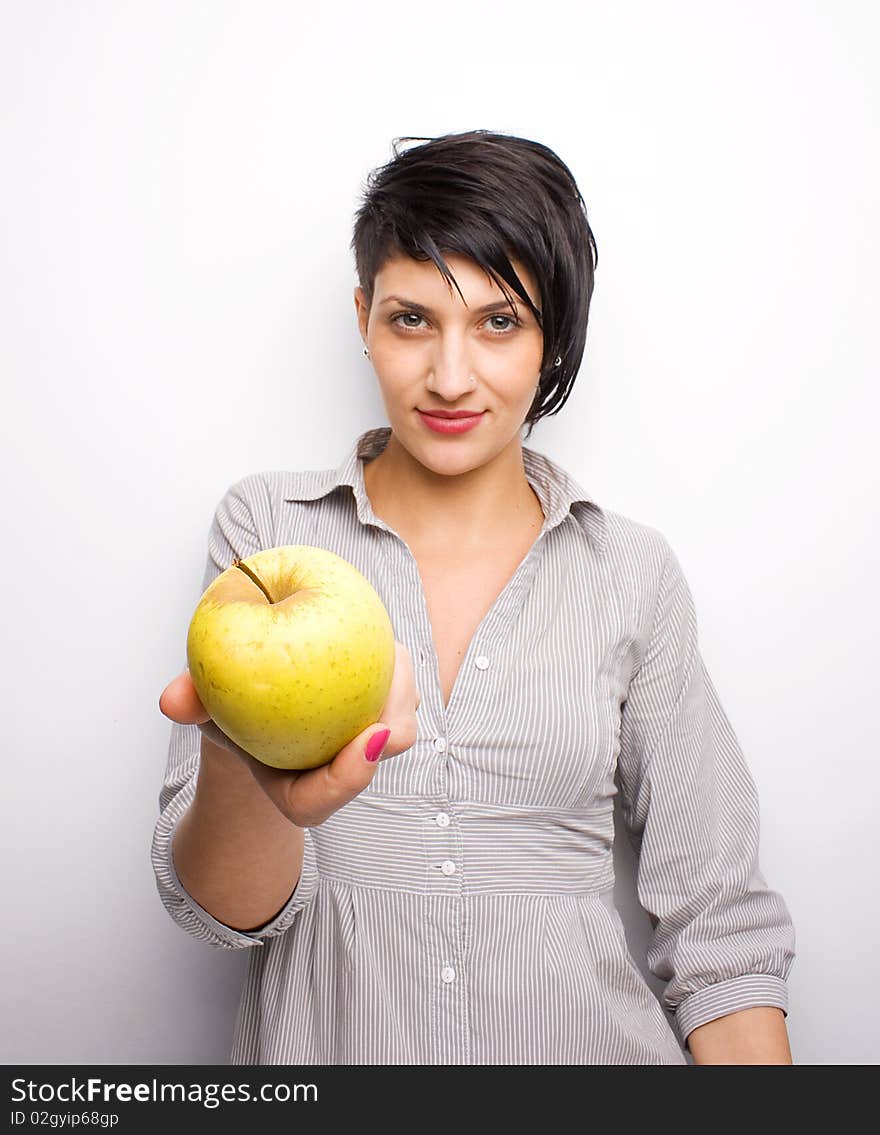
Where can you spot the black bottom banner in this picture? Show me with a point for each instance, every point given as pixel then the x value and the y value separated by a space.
pixel 193 1098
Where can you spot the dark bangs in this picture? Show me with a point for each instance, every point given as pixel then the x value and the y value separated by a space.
pixel 489 196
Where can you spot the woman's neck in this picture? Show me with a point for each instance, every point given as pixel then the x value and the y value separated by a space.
pixel 437 513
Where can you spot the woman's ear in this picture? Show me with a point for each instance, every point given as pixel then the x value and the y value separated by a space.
pixel 363 311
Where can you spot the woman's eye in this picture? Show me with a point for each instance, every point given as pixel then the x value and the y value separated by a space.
pixel 507 319
pixel 510 322
pixel 406 315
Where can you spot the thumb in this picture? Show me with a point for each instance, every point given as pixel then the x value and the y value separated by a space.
pixel 321 791
pixel 376 743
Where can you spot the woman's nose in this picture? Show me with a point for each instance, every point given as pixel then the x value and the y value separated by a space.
pixel 451 376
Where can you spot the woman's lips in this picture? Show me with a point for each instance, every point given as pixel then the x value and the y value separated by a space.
pixel 450 425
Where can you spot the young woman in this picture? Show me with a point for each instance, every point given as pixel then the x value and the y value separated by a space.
pixel 451 902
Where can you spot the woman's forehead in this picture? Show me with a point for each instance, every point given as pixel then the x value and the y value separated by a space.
pixel 401 272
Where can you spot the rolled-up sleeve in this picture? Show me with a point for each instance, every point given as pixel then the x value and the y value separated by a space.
pixel 722 939
pixel 234 532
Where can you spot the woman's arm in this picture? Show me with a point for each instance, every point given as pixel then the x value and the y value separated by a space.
pixel 723 938
pixel 234 851
pixel 748 1036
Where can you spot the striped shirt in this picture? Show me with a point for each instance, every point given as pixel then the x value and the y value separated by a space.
pixel 459 910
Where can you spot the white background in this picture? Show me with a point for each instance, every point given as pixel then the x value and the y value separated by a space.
pixel 179 183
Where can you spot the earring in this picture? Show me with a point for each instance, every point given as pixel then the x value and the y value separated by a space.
pixel 558 361
pixel 366 353
pixel 473 381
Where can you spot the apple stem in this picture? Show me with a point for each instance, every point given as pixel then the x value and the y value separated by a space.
pixel 247 571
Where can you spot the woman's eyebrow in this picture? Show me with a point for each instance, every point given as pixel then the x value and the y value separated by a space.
pixel 498 305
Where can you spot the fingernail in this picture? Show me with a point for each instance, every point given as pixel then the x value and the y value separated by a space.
pixel 376 744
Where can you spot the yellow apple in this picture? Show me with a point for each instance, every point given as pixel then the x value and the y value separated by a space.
pixel 292 652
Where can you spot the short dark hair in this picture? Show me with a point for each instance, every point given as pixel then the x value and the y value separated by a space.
pixel 486 196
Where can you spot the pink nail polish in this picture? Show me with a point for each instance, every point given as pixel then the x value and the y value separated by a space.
pixel 376 744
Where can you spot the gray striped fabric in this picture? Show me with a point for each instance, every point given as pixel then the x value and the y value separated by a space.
pixel 460 909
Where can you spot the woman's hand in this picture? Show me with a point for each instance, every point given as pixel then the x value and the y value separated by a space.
pixel 308 797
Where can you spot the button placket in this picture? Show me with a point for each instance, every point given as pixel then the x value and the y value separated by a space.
pixel 443 848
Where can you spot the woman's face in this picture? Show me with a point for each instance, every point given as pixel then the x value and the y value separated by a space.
pixel 427 359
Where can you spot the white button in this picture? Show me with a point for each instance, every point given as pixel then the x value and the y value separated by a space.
pixel 447 867
pixel 482 662
pixel 440 744
pixel 442 820
pixel 448 974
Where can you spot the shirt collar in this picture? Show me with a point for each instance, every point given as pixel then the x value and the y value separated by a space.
pixel 558 493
